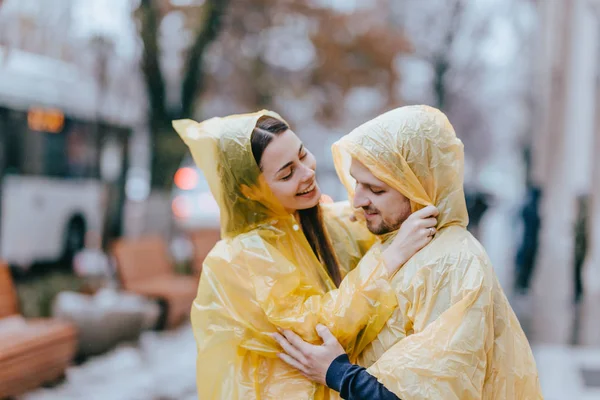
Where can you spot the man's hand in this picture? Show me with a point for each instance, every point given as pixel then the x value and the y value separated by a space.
pixel 414 234
pixel 312 361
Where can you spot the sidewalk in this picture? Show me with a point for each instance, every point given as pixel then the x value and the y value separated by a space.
pixel 162 366
pixel 568 372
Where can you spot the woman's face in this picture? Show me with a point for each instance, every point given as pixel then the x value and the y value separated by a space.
pixel 289 170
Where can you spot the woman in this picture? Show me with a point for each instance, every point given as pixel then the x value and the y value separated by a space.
pixel 283 261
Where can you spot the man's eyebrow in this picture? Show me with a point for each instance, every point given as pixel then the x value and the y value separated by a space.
pixel 369 184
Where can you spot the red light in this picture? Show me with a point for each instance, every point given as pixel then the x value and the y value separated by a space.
pixel 186 178
pixel 181 207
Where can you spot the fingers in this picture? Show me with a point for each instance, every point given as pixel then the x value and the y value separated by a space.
pixel 429 222
pixel 289 348
pixel 429 211
pixel 326 334
pixel 297 341
pixel 292 362
pixel 432 210
pixel 430 232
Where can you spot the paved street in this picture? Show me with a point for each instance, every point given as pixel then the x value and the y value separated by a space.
pixel 569 373
pixel 162 367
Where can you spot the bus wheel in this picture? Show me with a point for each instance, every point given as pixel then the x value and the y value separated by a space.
pixel 74 240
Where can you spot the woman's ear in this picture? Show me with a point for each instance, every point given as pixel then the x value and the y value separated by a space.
pixel 247 192
pixel 261 193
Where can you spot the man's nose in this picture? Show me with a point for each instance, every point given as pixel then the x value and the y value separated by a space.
pixel 360 200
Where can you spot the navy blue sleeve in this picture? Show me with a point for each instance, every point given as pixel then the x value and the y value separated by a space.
pixel 354 382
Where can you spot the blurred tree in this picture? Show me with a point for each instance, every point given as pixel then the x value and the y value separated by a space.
pixel 355 50
pixel 448 37
pixel 277 53
pixel 168 149
pixel 468 60
pixel 291 55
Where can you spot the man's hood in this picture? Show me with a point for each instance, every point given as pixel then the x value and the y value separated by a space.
pixel 414 150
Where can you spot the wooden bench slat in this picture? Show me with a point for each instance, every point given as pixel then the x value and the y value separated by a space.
pixel 37 352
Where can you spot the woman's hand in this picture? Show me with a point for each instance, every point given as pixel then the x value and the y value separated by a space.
pixel 414 234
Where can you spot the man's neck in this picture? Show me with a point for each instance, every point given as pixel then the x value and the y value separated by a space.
pixel 387 238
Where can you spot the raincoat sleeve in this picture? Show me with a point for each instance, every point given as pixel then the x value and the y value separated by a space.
pixel 246 291
pixel 236 356
pixel 446 357
pixel 358 308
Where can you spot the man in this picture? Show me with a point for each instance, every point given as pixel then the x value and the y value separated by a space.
pixel 453 334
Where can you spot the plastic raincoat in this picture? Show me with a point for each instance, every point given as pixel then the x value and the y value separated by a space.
pixel 264 275
pixel 454 334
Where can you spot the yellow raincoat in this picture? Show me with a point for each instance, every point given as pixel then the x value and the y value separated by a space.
pixel 264 275
pixel 454 334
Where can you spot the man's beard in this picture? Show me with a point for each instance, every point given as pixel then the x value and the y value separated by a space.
pixel 384 226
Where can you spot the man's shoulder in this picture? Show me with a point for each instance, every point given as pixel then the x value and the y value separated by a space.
pixel 453 248
pixel 455 242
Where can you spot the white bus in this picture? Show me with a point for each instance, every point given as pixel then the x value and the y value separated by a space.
pixel 71 97
pixel 60 178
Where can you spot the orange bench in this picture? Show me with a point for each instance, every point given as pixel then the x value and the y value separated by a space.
pixel 144 268
pixel 32 352
pixel 203 241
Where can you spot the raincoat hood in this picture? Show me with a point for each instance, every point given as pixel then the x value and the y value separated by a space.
pixel 222 150
pixel 264 275
pixel 453 334
pixel 414 150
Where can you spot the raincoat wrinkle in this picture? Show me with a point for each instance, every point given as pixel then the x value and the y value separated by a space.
pixel 263 275
pixel 453 334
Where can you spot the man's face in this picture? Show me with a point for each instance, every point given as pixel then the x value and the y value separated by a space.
pixel 385 208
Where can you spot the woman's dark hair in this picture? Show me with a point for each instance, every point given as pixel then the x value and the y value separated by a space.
pixel 311 219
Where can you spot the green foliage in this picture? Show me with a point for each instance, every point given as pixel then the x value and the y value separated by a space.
pixel 37 294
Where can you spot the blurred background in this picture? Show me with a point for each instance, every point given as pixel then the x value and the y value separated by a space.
pixel 104 219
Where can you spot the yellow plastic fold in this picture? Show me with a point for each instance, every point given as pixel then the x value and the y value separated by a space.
pixel 264 275
pixel 454 334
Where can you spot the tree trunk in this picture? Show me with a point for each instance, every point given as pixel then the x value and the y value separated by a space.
pixel 167 149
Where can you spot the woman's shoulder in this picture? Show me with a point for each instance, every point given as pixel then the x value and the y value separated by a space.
pixel 337 209
pixel 338 215
pixel 228 248
pixel 342 223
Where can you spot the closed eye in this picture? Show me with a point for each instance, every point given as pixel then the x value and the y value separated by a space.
pixel 288 176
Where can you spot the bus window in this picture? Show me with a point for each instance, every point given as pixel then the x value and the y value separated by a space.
pixel 12 133
pixel 55 160
pixel 71 153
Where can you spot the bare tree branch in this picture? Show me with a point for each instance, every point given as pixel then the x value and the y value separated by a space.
pixel 193 81
pixel 153 77
pixel 441 62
